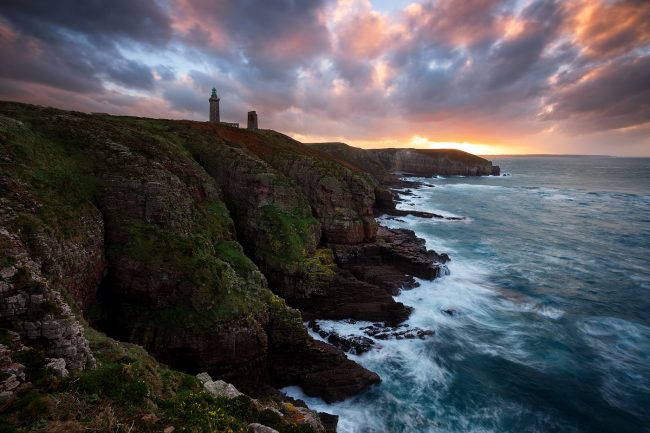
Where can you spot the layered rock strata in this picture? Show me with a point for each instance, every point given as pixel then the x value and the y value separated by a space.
pixel 31 307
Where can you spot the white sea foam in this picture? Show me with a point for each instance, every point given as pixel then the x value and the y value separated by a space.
pixel 413 364
pixel 558 197
pixel 464 186
pixel 408 363
pixel 489 322
pixel 540 308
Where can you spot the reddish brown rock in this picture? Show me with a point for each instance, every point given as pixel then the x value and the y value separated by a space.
pixel 320 369
pixel 341 197
pixel 350 298
pixel 152 219
pixel 369 274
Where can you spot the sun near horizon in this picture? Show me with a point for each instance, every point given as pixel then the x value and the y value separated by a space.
pixel 487 77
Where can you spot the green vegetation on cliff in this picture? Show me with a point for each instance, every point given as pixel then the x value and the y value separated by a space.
pixel 165 233
pixel 128 391
pixel 163 215
pixel 54 177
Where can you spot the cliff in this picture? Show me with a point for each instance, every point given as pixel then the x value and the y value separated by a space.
pixel 381 163
pixel 207 245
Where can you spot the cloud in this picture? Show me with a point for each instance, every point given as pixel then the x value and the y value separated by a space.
pixel 476 70
pixel 613 96
pixel 58 65
pixel 269 38
pixel 609 28
pixel 140 20
pixel 457 23
pixel 511 57
pixel 75 45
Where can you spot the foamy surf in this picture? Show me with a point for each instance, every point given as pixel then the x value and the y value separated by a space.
pixel 542 324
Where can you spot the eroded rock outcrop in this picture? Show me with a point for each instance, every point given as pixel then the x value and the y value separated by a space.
pixel 429 162
pixel 273 219
pixel 368 275
pixel 288 412
pixel 273 171
pixel 33 308
pixel 320 369
pixel 12 373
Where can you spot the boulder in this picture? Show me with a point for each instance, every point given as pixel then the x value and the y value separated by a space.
pixel 302 415
pixel 259 428
pixel 218 388
pixel 58 367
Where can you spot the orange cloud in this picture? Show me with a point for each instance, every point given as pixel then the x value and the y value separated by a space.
pixel 609 28
pixel 361 32
pixel 365 36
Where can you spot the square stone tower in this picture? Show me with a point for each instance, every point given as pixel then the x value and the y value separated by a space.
pixel 252 120
pixel 214 107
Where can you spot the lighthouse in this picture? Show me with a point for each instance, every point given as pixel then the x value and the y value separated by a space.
pixel 214 107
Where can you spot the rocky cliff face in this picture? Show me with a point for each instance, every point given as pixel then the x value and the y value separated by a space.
pixel 30 306
pixel 115 217
pixel 420 162
pixel 341 197
pixel 184 237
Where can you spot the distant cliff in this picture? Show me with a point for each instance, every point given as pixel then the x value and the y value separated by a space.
pixel 381 163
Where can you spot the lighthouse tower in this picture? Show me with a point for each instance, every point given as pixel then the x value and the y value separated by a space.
pixel 214 107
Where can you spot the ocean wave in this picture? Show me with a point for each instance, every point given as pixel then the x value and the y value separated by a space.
pixel 457 186
pixel 540 308
pixel 558 197
pixel 623 357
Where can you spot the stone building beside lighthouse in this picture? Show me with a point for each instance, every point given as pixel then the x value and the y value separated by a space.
pixel 252 120
pixel 215 116
pixel 214 107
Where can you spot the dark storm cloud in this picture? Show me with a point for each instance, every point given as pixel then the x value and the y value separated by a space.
pixel 578 65
pixel 271 37
pixel 59 64
pixel 129 73
pixel 453 22
pixel 500 76
pixel 511 59
pixel 518 77
pixel 618 96
pixel 73 45
pixel 139 20
pixel 185 98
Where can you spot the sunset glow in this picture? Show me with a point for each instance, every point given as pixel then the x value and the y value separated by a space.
pixel 475 148
pixel 489 77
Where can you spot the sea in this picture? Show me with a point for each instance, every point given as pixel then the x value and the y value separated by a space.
pixel 549 286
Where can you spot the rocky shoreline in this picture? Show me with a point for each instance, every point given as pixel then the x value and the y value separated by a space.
pixel 207 245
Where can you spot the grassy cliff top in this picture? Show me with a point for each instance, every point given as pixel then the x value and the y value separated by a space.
pixel 452 154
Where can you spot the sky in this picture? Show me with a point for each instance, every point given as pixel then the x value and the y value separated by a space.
pixel 486 76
